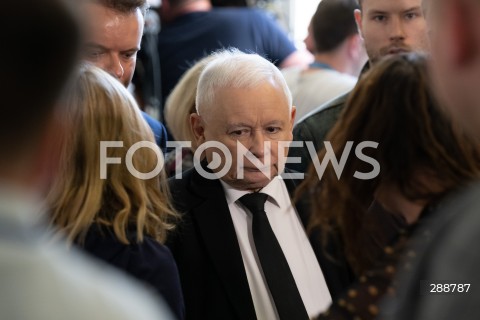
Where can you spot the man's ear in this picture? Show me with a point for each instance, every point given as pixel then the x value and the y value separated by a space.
pixel 198 128
pixel 293 114
pixel 461 36
pixel 354 46
pixel 358 19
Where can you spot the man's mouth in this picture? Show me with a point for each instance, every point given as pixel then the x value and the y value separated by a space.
pixel 255 169
pixel 397 50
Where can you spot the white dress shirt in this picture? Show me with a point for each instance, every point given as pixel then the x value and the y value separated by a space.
pixel 295 245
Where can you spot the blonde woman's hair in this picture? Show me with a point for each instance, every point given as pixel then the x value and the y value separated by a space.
pixel 181 103
pixel 99 108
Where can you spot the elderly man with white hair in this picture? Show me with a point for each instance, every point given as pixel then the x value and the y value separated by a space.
pixel 241 249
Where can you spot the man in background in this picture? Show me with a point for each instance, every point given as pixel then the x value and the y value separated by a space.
pixel 192 29
pixel 339 55
pixel 114 34
pixel 387 27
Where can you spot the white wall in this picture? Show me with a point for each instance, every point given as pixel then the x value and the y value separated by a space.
pixel 301 13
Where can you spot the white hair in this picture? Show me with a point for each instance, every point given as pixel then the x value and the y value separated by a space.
pixel 232 68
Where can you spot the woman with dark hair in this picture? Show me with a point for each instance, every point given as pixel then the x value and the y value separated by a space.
pixel 422 154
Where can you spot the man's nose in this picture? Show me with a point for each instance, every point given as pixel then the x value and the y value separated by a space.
pixel 115 67
pixel 397 30
pixel 257 147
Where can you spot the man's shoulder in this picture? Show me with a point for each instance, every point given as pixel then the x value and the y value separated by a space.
pixel 180 186
pixel 458 217
pixel 49 270
pixel 325 111
pixel 316 124
pixel 191 189
pixel 158 129
pixel 230 16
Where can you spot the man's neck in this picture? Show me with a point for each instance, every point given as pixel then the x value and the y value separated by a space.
pixel 334 61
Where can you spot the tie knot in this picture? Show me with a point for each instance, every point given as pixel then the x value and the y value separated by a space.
pixel 255 202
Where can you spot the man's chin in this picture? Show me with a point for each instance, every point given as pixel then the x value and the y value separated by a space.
pixel 252 180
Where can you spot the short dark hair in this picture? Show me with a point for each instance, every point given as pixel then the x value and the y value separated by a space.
pixel 124 6
pixel 42 40
pixel 332 23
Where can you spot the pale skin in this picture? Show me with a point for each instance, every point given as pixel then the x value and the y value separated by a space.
pixel 252 117
pixel 392 27
pixel 309 42
pixel 113 40
pixel 455 40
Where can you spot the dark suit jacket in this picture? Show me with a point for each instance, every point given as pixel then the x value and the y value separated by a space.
pixel 208 256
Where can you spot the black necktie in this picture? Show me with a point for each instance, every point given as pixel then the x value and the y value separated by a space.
pixel 275 267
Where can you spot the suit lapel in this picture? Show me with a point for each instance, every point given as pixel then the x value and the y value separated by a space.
pixel 217 230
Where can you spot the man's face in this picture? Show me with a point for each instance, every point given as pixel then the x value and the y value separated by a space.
pixel 113 40
pixel 391 27
pixel 251 117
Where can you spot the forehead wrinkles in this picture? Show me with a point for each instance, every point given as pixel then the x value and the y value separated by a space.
pixel 390 6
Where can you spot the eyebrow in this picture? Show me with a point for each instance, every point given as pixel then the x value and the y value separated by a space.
pixel 95 45
pixel 374 12
pixel 413 9
pixel 275 122
pixel 99 46
pixel 237 124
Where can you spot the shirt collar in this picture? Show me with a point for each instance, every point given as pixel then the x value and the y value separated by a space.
pixel 273 189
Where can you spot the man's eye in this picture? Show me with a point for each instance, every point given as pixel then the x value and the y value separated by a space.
pixel 129 55
pixel 273 130
pixel 239 133
pixel 411 15
pixel 380 18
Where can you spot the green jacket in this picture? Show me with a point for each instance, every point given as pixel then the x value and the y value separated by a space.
pixel 314 127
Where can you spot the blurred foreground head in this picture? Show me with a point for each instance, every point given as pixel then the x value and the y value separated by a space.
pixel 41 39
pixel 454 34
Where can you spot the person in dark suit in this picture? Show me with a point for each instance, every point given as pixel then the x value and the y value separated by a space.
pixel 238 260
pixel 113 211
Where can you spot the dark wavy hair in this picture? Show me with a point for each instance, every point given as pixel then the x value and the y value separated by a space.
pixel 393 106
